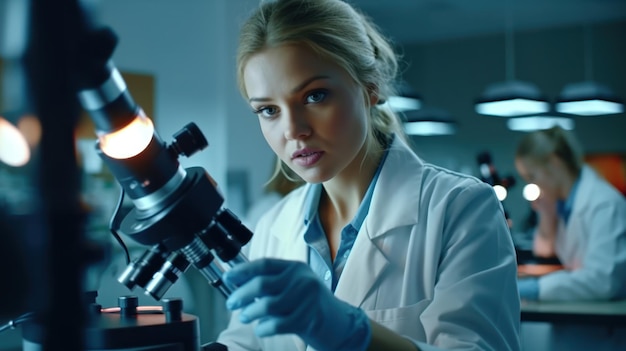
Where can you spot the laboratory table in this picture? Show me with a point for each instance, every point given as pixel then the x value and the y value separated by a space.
pixel 601 313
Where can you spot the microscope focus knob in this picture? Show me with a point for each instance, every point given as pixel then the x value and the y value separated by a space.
pixel 128 305
pixel 173 309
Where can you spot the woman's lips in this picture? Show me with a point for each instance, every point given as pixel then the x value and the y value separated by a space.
pixel 306 158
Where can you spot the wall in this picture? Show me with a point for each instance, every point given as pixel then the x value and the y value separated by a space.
pixel 452 74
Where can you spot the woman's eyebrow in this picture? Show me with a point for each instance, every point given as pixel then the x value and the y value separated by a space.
pixel 307 82
pixel 294 90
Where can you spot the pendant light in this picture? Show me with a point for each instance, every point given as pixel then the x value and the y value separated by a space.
pixel 540 121
pixel 429 121
pixel 588 98
pixel 406 99
pixel 512 97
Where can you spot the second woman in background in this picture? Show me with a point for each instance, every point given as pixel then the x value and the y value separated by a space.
pixel 582 221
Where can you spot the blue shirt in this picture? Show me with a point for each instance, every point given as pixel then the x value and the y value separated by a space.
pixel 315 237
pixel 564 208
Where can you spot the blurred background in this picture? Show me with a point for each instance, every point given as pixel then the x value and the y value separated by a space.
pixel 178 60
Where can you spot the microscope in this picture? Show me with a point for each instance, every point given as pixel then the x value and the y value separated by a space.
pixel 176 212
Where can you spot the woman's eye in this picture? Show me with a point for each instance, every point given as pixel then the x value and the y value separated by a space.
pixel 266 111
pixel 317 96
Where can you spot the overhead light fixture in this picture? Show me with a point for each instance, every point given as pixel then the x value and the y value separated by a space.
pixel 404 103
pixel 405 100
pixel 540 121
pixel 510 99
pixel 513 97
pixel 429 121
pixel 588 98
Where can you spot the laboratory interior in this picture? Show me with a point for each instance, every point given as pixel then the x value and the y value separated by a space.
pixel 88 262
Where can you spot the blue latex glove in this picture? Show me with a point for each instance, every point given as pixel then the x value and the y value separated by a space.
pixel 528 289
pixel 287 297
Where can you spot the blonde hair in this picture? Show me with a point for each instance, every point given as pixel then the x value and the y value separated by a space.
pixel 282 182
pixel 335 31
pixel 538 146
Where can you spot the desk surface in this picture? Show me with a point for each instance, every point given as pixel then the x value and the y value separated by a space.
pixel 588 312
pixel 536 270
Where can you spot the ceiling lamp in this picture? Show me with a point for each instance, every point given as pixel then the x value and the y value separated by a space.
pixel 429 121
pixel 512 97
pixel 588 98
pixel 540 121
pixel 406 98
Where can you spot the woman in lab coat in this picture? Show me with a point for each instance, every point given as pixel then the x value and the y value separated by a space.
pixel 582 221
pixel 380 250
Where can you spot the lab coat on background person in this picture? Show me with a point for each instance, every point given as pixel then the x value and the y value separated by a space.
pixel 439 269
pixel 591 246
pixel 582 221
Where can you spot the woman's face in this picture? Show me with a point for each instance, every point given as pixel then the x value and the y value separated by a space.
pixel 311 112
pixel 543 175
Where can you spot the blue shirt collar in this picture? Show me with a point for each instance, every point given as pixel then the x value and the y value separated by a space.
pixel 565 207
pixel 311 201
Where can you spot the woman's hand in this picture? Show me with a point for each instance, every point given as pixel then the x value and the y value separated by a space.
pixel 545 235
pixel 545 205
pixel 287 297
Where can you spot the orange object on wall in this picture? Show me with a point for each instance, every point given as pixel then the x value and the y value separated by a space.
pixel 612 166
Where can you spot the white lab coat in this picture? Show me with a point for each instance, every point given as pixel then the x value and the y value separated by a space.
pixel 433 260
pixel 592 246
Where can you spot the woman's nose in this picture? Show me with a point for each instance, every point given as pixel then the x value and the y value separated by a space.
pixel 296 126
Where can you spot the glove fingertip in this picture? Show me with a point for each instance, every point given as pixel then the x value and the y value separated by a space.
pixel 232 304
pixel 232 278
pixel 243 318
